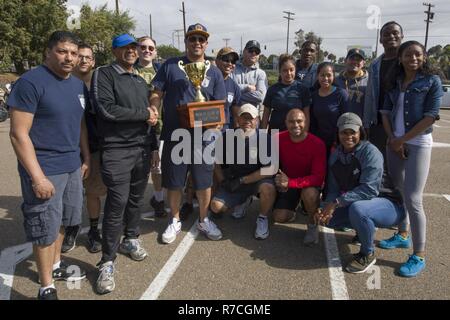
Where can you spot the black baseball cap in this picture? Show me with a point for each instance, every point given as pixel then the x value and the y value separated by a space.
pixel 253 44
pixel 356 52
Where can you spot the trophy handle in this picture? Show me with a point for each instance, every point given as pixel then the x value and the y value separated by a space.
pixel 207 66
pixel 181 66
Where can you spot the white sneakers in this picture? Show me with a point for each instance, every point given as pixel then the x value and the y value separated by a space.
pixel 312 235
pixel 171 232
pixel 262 228
pixel 210 229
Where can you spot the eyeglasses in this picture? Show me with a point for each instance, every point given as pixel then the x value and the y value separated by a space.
pixel 88 58
pixel 253 50
pixel 228 59
pixel 150 48
pixel 194 39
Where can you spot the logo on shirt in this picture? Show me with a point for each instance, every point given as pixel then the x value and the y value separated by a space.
pixel 230 97
pixel 82 101
pixel 206 81
pixel 356 172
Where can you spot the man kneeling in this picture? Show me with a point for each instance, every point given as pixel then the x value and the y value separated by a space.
pixel 240 180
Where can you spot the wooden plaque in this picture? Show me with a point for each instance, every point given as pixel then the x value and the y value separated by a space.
pixel 211 113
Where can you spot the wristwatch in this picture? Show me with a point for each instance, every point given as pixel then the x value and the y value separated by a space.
pixel 337 203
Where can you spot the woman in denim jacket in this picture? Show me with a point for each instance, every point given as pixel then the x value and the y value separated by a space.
pixel 414 95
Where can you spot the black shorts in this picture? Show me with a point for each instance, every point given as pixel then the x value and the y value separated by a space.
pixel 290 199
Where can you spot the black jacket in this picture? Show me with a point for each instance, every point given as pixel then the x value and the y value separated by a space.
pixel 120 100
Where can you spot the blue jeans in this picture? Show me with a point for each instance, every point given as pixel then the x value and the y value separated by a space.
pixel 365 215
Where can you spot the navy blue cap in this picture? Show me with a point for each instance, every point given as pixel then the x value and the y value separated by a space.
pixel 356 52
pixel 197 28
pixel 253 44
pixel 123 40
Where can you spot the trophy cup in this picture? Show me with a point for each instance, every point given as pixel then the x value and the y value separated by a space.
pixel 210 113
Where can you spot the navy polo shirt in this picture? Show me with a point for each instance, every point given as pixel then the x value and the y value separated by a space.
pixel 281 98
pixel 178 90
pixel 58 107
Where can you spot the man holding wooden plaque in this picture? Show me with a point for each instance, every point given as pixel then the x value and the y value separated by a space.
pixel 194 95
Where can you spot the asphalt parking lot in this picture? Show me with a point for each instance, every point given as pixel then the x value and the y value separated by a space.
pixel 238 266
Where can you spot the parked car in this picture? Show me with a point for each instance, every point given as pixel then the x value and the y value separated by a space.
pixel 446 97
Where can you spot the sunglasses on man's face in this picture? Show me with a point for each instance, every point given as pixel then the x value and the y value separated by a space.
pixel 194 39
pixel 256 51
pixel 228 59
pixel 150 48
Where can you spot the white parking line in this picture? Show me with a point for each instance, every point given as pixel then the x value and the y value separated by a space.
pixel 441 145
pixel 163 277
pixel 447 196
pixel 337 278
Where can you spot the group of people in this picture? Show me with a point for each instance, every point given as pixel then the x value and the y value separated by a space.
pixel 353 150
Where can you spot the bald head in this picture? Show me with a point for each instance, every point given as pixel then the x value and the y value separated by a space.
pixel 295 123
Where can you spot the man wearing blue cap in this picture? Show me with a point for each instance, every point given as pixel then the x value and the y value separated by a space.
pixel 120 96
pixel 171 82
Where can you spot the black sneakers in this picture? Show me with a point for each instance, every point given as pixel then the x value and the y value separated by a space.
pixel 70 238
pixel 48 294
pixel 361 263
pixel 159 207
pixel 68 273
pixel 94 243
pixel 186 210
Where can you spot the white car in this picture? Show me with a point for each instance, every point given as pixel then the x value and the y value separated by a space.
pixel 446 97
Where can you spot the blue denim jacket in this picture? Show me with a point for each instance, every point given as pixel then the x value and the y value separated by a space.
pixel 423 98
pixel 371 161
pixel 372 93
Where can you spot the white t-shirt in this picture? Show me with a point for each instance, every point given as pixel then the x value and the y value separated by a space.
pixel 421 140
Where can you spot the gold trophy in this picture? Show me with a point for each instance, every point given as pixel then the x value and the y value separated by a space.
pixel 196 73
pixel 210 113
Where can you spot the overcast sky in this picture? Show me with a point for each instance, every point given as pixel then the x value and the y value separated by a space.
pixel 340 23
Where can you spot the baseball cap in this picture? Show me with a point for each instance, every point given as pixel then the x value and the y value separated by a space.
pixel 197 29
pixel 248 108
pixel 349 120
pixel 356 51
pixel 226 51
pixel 123 40
pixel 253 44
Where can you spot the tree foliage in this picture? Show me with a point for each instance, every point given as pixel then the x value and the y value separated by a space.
pixel 440 57
pixel 25 27
pixel 98 28
pixel 165 52
pixel 310 36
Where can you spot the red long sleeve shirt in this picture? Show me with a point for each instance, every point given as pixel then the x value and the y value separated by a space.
pixel 303 162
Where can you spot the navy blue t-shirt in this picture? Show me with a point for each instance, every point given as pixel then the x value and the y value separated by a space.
pixel 281 98
pixel 254 157
pixel 178 90
pixel 58 106
pixel 233 99
pixel 325 112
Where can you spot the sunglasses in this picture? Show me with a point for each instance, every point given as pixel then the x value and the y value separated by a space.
pixel 253 51
pixel 88 58
pixel 150 48
pixel 228 59
pixel 194 39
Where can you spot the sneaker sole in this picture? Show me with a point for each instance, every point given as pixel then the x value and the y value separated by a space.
pixel 262 237
pixel 130 255
pixel 365 269
pixel 68 250
pixel 390 248
pixel 107 290
pixel 168 241
pixel 214 238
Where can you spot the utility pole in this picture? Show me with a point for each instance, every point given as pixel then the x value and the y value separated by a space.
pixel 378 36
pixel 289 20
pixel 430 16
pixel 117 7
pixel 184 25
pixel 241 46
pixel 226 41
pixel 151 33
